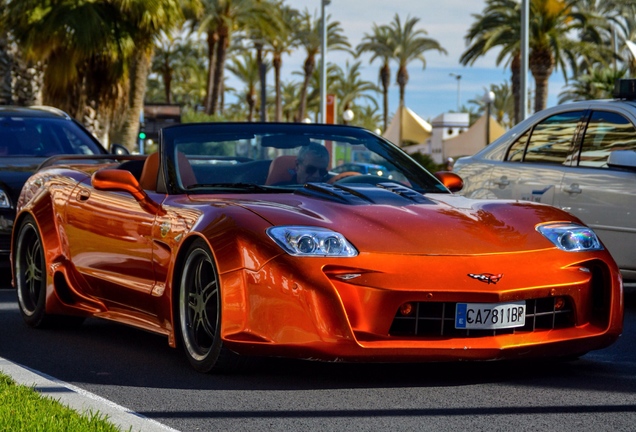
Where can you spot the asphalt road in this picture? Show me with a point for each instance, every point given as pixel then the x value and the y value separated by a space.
pixel 141 372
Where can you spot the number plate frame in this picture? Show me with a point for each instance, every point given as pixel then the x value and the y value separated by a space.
pixel 490 316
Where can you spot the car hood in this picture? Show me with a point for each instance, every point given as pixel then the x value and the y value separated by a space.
pixel 395 219
pixel 14 172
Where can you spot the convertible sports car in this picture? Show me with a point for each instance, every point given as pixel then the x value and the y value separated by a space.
pixel 235 240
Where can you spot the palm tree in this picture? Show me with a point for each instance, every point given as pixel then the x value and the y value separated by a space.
pixel 146 19
pixel 367 116
pixel 290 95
pixel 313 96
pixel 349 87
pixel 220 19
pixel 94 52
pixel 502 107
pixel 279 44
pixel 410 44
pixel 622 14
pixel 599 84
pixel 172 54
pixel 550 26
pixel 246 69
pixel 309 36
pixel 498 26
pixel 380 45
pixel 262 28
pixel 84 47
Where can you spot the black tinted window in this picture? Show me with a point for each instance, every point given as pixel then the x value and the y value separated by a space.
pixel 44 137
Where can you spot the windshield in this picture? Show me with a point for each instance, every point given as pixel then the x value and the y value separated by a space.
pixel 277 157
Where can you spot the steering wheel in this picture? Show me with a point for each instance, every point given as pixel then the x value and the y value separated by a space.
pixel 342 175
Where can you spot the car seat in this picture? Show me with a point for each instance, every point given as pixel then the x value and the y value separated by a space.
pixel 281 170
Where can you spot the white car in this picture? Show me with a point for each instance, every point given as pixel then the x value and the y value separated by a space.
pixel 580 157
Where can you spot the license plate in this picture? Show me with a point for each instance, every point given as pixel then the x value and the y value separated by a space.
pixel 490 316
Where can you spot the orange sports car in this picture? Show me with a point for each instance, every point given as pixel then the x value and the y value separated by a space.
pixel 236 240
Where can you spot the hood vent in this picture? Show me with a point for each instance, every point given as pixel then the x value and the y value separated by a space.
pixel 365 194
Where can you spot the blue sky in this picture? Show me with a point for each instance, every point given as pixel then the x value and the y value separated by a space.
pixel 430 91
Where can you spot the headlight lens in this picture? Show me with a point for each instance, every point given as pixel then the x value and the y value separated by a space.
pixel 5 202
pixel 571 237
pixel 311 241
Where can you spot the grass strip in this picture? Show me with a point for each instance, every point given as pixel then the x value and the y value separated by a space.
pixel 24 409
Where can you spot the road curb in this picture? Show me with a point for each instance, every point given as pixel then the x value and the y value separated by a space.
pixel 81 400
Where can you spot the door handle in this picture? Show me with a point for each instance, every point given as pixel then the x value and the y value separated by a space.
pixel 572 189
pixel 502 182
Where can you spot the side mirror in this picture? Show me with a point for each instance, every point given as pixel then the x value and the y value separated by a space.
pixel 625 159
pixel 452 181
pixel 118 149
pixel 124 181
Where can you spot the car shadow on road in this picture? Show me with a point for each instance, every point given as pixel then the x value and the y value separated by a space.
pixel 104 353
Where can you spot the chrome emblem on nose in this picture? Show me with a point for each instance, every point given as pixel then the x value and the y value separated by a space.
pixel 488 278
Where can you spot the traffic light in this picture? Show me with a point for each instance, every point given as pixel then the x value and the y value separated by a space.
pixel 142 131
pixel 141 138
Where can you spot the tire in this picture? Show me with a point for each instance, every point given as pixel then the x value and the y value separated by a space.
pixel 30 274
pixel 199 308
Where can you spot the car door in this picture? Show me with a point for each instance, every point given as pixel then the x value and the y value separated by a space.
pixel 111 245
pixel 605 197
pixel 532 169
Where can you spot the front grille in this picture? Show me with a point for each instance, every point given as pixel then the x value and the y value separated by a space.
pixel 436 319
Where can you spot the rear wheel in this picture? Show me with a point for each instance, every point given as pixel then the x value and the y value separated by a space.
pixel 30 274
pixel 200 313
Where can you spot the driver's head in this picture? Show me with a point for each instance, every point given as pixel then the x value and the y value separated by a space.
pixel 312 163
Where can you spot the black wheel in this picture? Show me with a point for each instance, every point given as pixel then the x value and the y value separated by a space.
pixel 200 313
pixel 30 274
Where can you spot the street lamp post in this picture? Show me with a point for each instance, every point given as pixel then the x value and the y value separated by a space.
pixel 323 63
pixel 458 78
pixel 489 98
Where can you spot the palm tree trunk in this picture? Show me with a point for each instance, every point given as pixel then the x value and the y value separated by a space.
pixel 6 90
pixel 262 77
pixel 278 115
pixel 541 65
pixel 212 41
pixel 251 103
pixel 221 53
pixel 138 75
pixel 167 83
pixel 310 65
pixel 515 78
pixel 385 79
pixel 402 80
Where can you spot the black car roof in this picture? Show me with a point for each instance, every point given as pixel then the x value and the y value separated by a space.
pixel 33 111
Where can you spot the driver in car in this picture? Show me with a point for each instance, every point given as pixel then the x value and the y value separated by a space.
pixel 311 164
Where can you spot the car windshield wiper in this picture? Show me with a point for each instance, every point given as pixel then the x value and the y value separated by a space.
pixel 248 187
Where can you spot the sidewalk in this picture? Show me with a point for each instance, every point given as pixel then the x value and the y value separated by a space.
pixel 81 400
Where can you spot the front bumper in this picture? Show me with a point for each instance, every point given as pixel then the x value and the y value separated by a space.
pixel 346 309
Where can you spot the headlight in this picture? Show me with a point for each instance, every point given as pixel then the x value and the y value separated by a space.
pixel 5 202
pixel 311 241
pixel 571 237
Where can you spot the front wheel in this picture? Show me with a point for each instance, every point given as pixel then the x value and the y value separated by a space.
pixel 30 274
pixel 200 313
